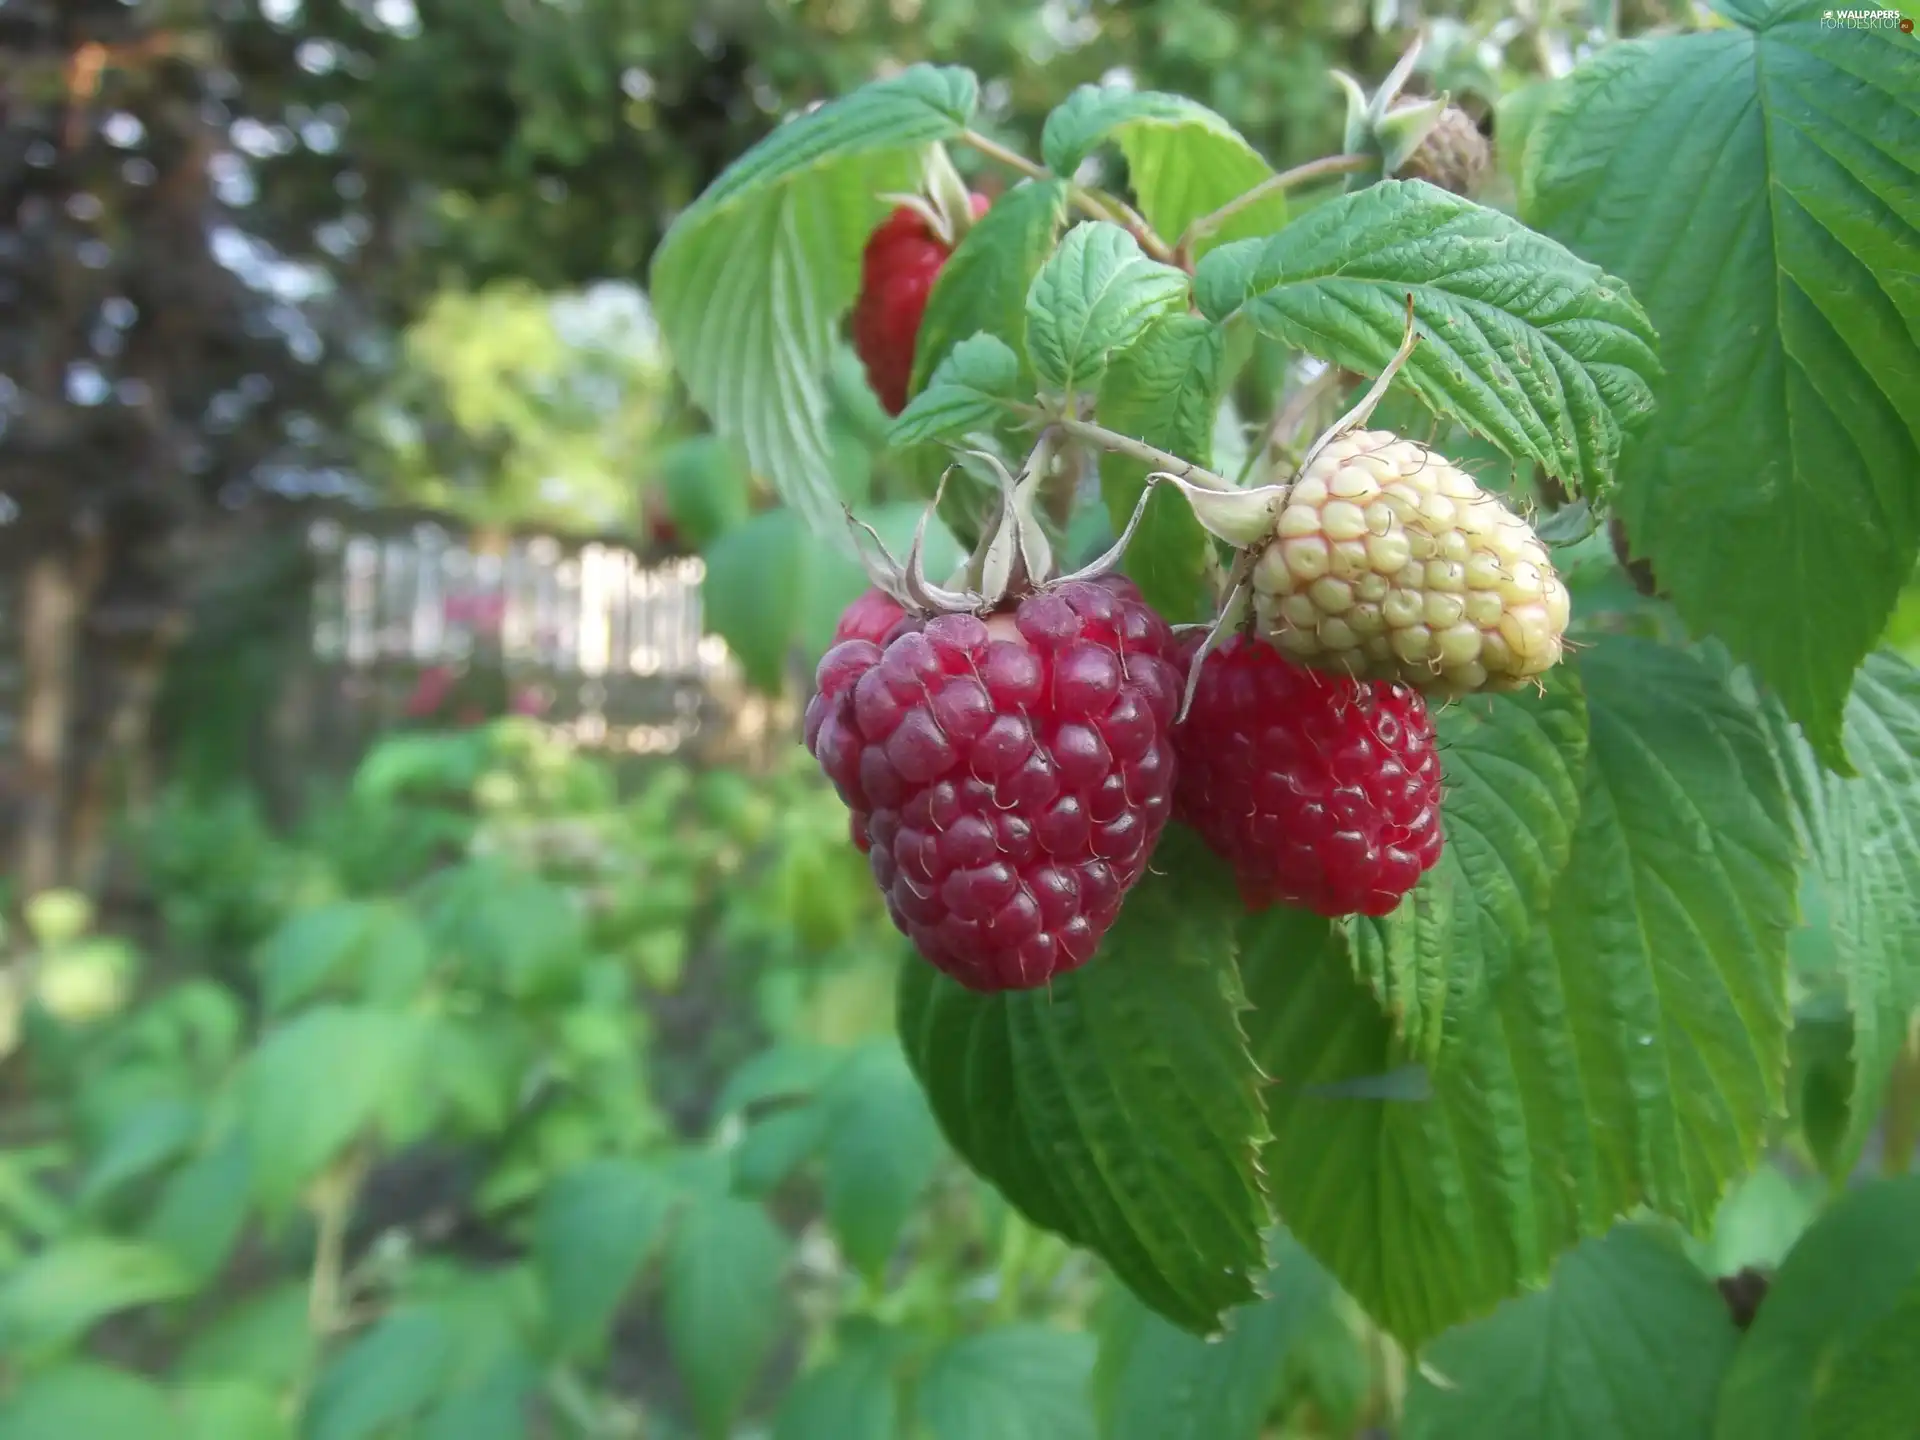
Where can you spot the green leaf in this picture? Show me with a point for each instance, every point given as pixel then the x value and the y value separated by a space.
pixel 232 1410
pixel 1857 1267
pixel 1093 298
pixel 1020 1382
pixel 882 1147
pixel 1118 1107
pixel 86 1399
pixel 57 1296
pixel 750 283
pixel 723 1303
pixel 983 286
pixel 1862 836
pixel 772 589
pixel 1183 160
pixel 321 1081
pixel 1166 391
pixel 144 1139
pixel 1755 185
pixel 1165 1384
pixel 596 1227
pixel 266 1339
pixel 203 1207
pixel 1512 768
pixel 1628 1339
pixel 514 933
pixel 969 391
pixel 854 1396
pixel 375 948
pixel 1759 1221
pixel 1630 1053
pixel 1874 1388
pixel 385 1378
pixel 707 486
pixel 1520 340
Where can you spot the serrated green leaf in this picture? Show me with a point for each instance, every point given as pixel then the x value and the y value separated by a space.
pixel 723 1303
pixel 1020 1382
pixel 596 1227
pixel 1183 160
pixel 750 283
pixel 1628 1339
pixel 1862 837
pixel 57 1296
pixel 854 1396
pixel 1093 298
pixel 1118 1107
pixel 1512 767
pixel 1756 184
pixel 321 1081
pixel 1631 1052
pixel 85 1399
pixel 1165 390
pixel 1857 1266
pixel 1521 340
pixel 1162 1383
pixel 969 391
pixel 881 1148
pixel 708 488
pixel 982 288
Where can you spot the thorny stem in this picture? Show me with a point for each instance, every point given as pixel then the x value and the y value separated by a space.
pixel 1139 449
pixel 1088 202
pixel 1273 185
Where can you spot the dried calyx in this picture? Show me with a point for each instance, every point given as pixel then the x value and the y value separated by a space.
pixel 943 201
pixel 1013 560
pixel 1427 139
pixel 1382 560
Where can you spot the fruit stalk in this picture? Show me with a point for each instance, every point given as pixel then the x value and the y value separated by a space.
pixel 1195 475
pixel 1279 184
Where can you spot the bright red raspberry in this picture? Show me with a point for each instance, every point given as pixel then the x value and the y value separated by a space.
pixel 871 617
pixel 897 271
pixel 1009 776
pixel 1320 790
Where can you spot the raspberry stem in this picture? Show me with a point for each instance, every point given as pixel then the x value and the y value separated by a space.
pixel 1195 475
pixel 1089 202
pixel 1205 225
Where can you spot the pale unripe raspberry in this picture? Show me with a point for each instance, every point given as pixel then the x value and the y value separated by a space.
pixel 1454 155
pixel 1389 563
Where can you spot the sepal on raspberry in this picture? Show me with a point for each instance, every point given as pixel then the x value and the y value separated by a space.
pixel 1386 561
pixel 1319 790
pixel 1005 752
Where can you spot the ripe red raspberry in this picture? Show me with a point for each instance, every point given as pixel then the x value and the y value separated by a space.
pixel 1009 776
pixel 1320 790
pixel 897 271
pixel 871 617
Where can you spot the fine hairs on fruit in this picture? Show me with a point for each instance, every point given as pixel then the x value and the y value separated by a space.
pixel 1003 747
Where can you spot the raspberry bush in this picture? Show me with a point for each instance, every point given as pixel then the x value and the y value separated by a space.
pixel 1516 902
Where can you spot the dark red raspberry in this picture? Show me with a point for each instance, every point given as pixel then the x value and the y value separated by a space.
pixel 1320 790
pixel 871 617
pixel 897 271
pixel 1009 776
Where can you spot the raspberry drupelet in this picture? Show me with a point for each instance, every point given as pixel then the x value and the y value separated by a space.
pixel 1320 790
pixel 1008 776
